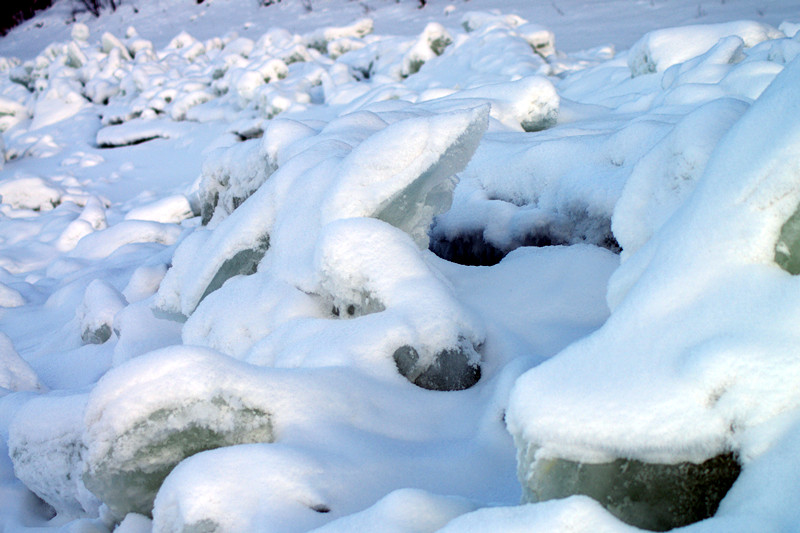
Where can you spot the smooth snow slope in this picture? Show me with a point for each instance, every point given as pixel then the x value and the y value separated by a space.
pixel 214 235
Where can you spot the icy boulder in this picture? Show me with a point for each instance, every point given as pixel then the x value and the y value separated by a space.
pixel 410 184
pixel 96 313
pixel 652 496
pixel 45 444
pixel 15 373
pixel 146 416
pixel 231 175
pixel 694 372
pixel 660 49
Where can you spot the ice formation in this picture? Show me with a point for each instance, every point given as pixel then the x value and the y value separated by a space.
pixel 706 391
pixel 143 418
pixel 15 373
pixel 45 444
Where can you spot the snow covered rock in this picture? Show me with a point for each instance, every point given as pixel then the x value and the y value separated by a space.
pixel 431 43
pixel 146 416
pixel 168 210
pixel 320 38
pixel 45 444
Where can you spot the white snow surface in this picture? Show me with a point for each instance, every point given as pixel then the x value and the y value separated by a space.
pixel 225 219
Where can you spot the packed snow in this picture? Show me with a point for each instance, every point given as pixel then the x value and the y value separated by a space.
pixel 345 266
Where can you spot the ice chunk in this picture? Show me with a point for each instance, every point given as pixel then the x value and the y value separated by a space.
pixel 660 49
pixel 144 417
pixel 30 192
pixel 80 32
pixel 96 313
pixel 409 185
pixel 657 497
pixel 137 131
pixel 530 103
pixel 253 485
pixel 45 445
pixel 697 359
pixel 664 177
pixel 231 175
pixel 431 43
pixel 168 210
pixel 15 373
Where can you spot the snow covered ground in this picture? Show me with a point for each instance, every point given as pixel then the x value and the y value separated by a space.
pixel 368 267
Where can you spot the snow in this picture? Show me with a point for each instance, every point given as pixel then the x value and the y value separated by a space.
pixel 344 266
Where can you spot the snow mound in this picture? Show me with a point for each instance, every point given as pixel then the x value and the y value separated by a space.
pixel 101 302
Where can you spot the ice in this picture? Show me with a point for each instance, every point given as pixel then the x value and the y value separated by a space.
pixel 656 497
pixel 144 417
pixel 15 373
pixel 231 175
pixel 137 131
pixel 45 445
pixel 101 302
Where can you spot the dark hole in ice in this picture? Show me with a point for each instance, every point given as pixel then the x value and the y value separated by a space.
pixel 657 497
pixel 450 371
pixel 321 508
pixel 351 309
